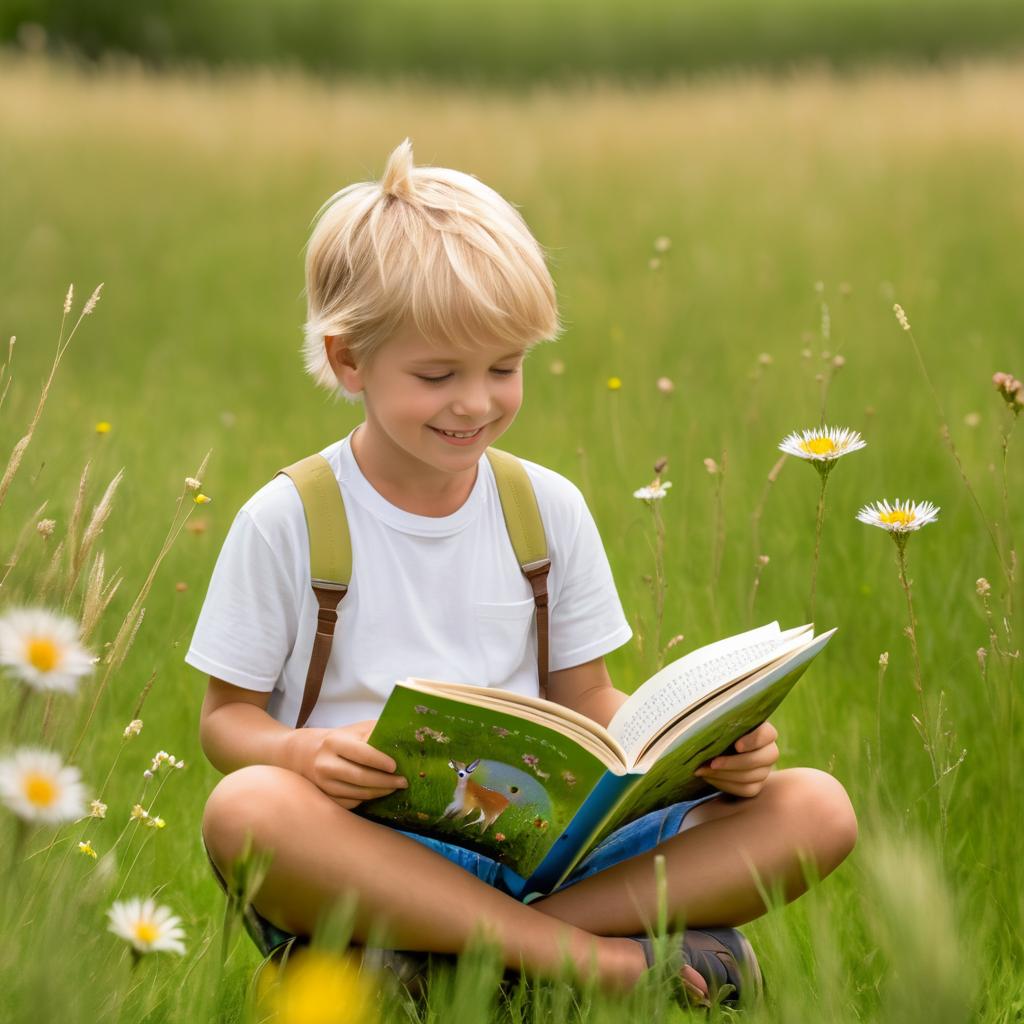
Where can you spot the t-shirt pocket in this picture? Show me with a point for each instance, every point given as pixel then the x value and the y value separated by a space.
pixel 503 631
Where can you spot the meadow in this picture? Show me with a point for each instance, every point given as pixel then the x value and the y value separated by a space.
pixel 744 238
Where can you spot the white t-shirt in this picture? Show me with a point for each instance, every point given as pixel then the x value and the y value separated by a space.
pixel 435 597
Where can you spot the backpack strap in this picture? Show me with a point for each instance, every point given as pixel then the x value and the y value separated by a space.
pixel 526 531
pixel 330 554
pixel 330 562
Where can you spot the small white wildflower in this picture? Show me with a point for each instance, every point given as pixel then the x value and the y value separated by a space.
pixel 192 483
pixel 982 586
pixel 42 648
pixel 37 786
pixel 97 809
pixel 901 316
pixel 653 491
pixel 133 728
pixel 901 517
pixel 148 927
pixel 823 444
pixel 883 659
pixel 45 527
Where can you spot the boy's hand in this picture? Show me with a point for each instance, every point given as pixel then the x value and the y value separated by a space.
pixel 745 772
pixel 345 766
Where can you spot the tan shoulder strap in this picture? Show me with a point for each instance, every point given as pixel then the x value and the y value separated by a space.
pixel 330 562
pixel 526 531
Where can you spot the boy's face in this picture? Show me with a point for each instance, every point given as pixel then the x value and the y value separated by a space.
pixel 414 389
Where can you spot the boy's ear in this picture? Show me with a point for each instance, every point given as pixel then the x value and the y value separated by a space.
pixel 344 366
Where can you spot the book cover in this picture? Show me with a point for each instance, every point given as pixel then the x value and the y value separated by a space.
pixel 526 784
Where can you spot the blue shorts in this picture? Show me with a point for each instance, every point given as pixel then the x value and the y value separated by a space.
pixel 635 838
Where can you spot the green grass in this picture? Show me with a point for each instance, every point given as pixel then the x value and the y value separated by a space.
pixel 191 200
pixel 519 42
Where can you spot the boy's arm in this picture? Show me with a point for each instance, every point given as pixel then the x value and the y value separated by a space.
pixel 235 730
pixel 588 689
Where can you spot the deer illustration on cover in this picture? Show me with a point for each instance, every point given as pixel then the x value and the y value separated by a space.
pixel 469 797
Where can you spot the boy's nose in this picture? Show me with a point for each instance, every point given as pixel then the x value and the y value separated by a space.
pixel 473 403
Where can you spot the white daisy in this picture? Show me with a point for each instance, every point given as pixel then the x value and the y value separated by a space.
pixel 148 927
pixel 825 444
pixel 42 649
pixel 902 517
pixel 653 491
pixel 37 786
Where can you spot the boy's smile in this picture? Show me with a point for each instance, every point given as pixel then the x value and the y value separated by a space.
pixel 431 410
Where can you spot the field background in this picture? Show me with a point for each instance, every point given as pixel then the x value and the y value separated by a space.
pixel 191 197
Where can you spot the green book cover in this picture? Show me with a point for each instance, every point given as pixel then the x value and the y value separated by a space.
pixel 526 784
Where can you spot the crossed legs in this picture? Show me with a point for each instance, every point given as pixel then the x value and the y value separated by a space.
pixel 412 898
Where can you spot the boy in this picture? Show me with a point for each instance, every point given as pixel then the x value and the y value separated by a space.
pixel 425 291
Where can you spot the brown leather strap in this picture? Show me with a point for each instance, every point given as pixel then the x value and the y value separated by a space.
pixel 329 596
pixel 537 574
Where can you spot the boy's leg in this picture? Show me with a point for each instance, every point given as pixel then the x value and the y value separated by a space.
pixel 710 865
pixel 422 900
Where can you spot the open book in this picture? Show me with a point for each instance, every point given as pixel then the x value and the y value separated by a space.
pixel 536 786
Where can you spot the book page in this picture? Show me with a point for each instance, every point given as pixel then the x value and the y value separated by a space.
pixel 559 716
pixel 526 784
pixel 667 770
pixel 667 695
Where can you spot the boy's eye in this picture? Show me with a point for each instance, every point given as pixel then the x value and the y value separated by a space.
pixel 437 380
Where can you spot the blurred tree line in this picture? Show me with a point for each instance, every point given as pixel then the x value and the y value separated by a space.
pixel 516 41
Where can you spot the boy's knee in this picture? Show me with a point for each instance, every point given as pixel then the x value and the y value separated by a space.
pixel 251 800
pixel 821 805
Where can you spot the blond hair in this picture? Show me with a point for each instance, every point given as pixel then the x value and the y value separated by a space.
pixel 426 243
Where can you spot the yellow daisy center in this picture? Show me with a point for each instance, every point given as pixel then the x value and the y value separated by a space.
pixel 818 445
pixel 146 931
pixel 40 790
pixel 43 653
pixel 898 516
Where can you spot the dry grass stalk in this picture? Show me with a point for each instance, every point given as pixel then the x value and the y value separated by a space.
pixel 755 518
pixel 137 712
pixel 100 514
pixel 133 619
pixel 74 522
pixel 47 579
pixel 96 600
pixel 718 540
pixel 18 452
pixel 26 531
pixel 5 370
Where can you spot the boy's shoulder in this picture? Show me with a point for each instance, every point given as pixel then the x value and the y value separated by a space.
pixel 550 486
pixel 561 503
